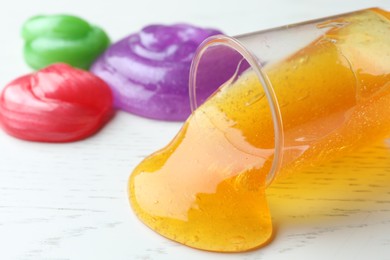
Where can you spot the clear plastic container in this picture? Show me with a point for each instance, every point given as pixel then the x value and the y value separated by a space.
pixel 317 88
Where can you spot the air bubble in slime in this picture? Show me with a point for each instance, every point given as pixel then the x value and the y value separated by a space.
pixel 148 71
pixel 310 92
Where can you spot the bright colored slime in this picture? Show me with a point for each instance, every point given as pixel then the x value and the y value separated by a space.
pixel 206 189
pixel 148 71
pixel 56 104
pixel 62 38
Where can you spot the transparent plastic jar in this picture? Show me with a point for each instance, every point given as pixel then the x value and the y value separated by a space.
pixel 324 84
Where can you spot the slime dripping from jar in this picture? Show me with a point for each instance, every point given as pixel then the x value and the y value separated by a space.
pixel 206 189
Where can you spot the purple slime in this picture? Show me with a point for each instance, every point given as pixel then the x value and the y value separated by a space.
pixel 149 71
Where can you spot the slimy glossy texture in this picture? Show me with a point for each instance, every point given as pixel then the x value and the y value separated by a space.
pixel 56 104
pixel 148 71
pixel 206 189
pixel 62 38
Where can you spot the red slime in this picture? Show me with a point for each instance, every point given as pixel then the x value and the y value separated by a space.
pixel 56 104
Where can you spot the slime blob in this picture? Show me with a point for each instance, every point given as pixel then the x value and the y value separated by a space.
pixel 56 104
pixel 62 38
pixel 148 71
pixel 206 189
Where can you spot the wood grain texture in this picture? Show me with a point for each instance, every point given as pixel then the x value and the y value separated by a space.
pixel 69 201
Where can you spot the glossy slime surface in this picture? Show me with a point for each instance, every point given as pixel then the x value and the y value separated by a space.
pixel 206 189
pixel 56 104
pixel 148 71
pixel 62 38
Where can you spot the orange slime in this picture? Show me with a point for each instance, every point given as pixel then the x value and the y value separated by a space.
pixel 206 189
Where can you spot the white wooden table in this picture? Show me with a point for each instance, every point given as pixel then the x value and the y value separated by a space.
pixel 69 201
